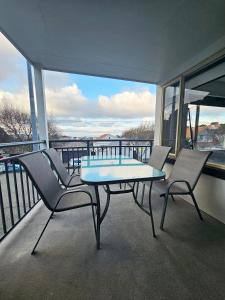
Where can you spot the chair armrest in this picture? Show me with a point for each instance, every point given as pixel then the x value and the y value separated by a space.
pixel 72 176
pixel 179 181
pixel 76 191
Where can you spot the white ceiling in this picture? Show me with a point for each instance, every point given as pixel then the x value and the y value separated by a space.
pixel 150 41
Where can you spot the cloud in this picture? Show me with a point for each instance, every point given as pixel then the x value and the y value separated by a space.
pixel 56 80
pixel 70 102
pixel 19 99
pixel 12 62
pixel 65 102
pixel 76 115
pixel 128 104
pixel 97 126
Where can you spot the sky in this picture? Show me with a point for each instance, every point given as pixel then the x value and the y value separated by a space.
pixel 79 105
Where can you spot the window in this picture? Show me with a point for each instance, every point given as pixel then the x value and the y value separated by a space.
pixel 170 112
pixel 204 119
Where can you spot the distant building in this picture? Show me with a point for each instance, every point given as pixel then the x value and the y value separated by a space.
pixel 105 138
pixel 108 136
pixel 209 136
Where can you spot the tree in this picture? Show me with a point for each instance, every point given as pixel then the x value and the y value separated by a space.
pixel 4 137
pixel 144 131
pixel 53 131
pixel 15 123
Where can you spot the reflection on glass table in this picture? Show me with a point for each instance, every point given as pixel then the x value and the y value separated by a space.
pixel 118 169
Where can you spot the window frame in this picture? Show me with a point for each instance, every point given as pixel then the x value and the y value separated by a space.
pixel 173 82
pixel 213 169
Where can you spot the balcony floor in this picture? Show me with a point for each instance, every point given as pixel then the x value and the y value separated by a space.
pixel 186 261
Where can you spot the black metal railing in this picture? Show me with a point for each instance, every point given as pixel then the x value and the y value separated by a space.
pixel 17 193
pixel 72 150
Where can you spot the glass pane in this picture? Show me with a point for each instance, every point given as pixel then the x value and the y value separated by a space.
pixel 204 119
pixel 171 100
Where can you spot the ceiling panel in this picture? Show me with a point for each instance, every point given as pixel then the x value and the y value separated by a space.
pixel 149 41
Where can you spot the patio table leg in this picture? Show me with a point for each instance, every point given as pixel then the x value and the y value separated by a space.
pixel 106 205
pixel 98 213
pixel 150 208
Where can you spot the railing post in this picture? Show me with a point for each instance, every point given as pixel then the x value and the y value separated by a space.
pixel 2 211
pixel 88 148
pixel 120 147
pixel 151 142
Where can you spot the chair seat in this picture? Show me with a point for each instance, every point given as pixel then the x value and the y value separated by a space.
pixel 163 185
pixel 75 181
pixel 72 199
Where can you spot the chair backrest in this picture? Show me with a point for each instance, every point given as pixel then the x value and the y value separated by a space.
pixel 189 165
pixel 58 166
pixel 158 156
pixel 42 177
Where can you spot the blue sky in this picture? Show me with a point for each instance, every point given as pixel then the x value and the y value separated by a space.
pixel 93 86
pixel 79 105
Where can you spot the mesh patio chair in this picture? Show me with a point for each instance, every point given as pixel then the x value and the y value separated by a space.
pixel 184 177
pixel 69 181
pixel 157 160
pixel 55 198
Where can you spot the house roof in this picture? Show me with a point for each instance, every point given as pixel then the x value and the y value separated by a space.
pixel 200 130
pixel 149 41
pixel 104 136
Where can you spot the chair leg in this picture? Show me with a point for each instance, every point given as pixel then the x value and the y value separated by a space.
pixel 150 209
pixel 143 193
pixel 137 189
pixel 98 213
pixel 196 205
pixel 164 211
pixel 93 215
pixel 172 198
pixel 43 230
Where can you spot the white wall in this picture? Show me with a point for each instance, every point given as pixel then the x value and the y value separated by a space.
pixel 209 193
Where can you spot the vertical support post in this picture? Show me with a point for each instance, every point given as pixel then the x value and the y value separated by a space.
pixel 191 130
pixel 179 117
pixel 196 125
pixel 151 145
pixel 158 116
pixel 32 106
pixel 41 105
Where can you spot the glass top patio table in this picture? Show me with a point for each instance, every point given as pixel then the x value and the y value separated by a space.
pixel 97 170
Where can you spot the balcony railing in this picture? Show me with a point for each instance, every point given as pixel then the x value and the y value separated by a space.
pixel 17 193
pixel 71 151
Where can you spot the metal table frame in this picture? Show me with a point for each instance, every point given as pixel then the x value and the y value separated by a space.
pixel 132 181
